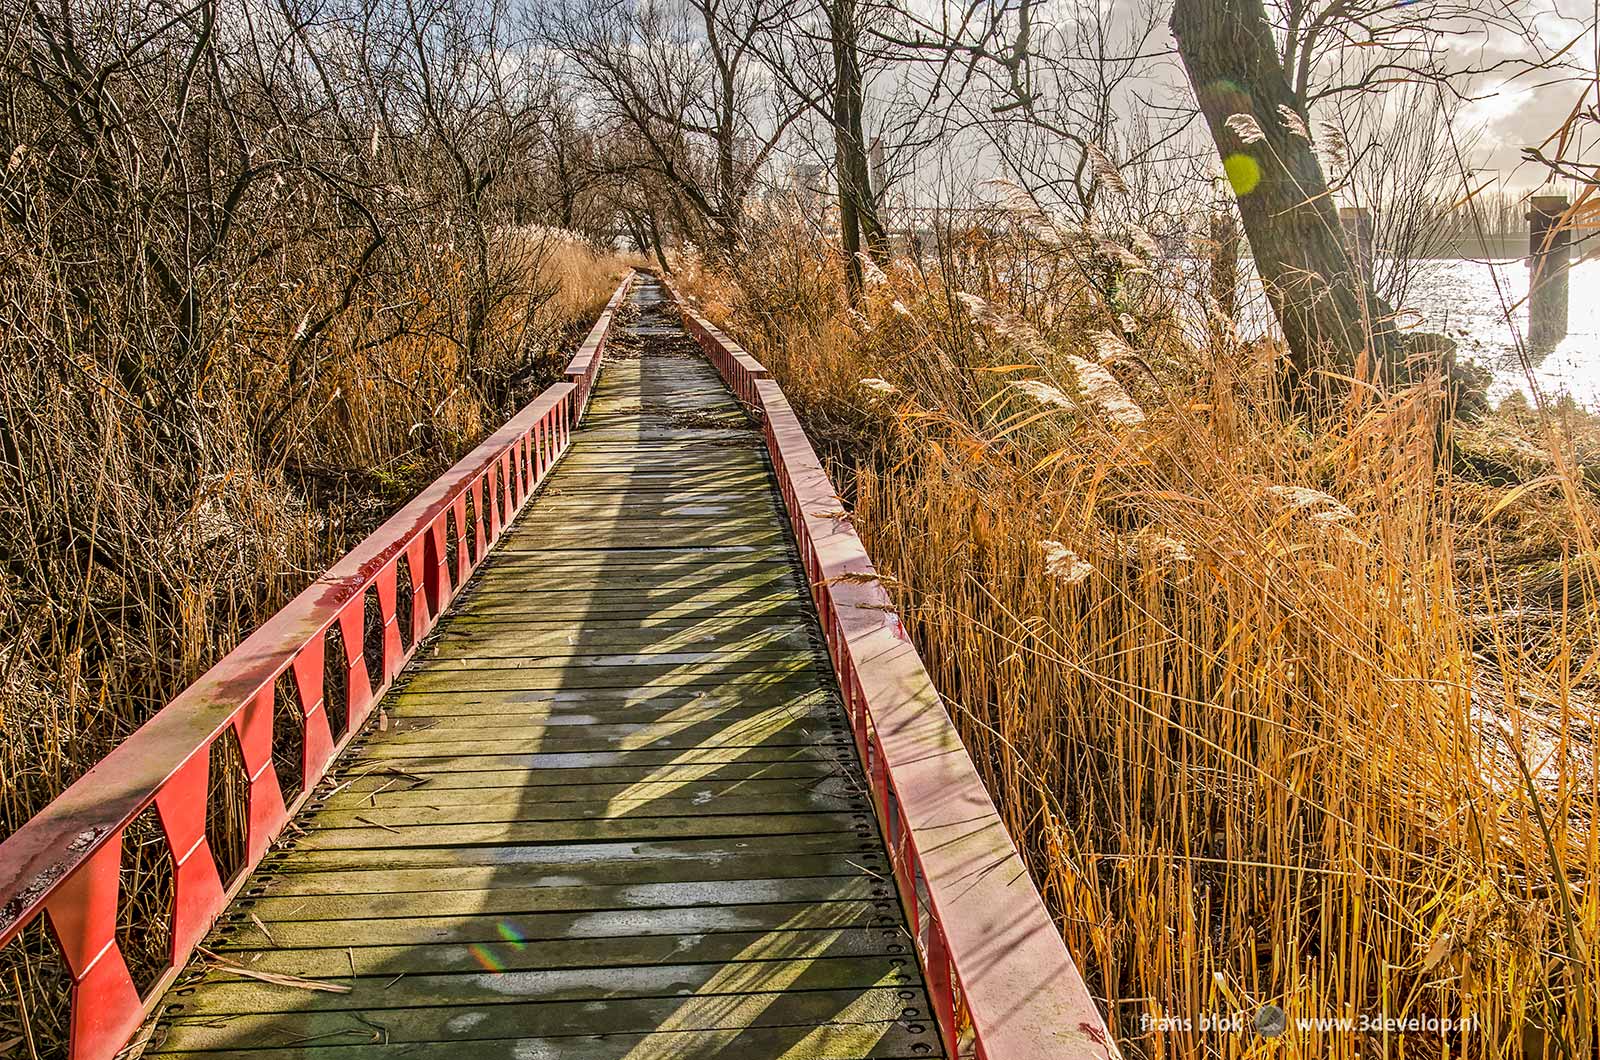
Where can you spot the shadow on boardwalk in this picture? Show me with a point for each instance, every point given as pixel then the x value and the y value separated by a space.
pixel 612 811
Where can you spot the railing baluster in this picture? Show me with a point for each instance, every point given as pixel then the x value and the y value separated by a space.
pixel 463 554
pixel 317 747
pixel 422 611
pixel 196 883
pixel 264 799
pixel 393 650
pixel 106 1007
pixel 939 992
pixel 358 686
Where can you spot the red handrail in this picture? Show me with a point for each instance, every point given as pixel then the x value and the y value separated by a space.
pixel 733 362
pixel 993 959
pixel 585 364
pixel 64 862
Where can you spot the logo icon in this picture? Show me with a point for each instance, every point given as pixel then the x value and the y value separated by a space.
pixel 1270 1021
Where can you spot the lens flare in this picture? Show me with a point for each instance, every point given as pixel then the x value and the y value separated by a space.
pixel 486 958
pixel 512 934
pixel 1244 173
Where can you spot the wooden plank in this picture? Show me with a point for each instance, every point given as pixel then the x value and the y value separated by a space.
pixel 722 676
pixel 563 641
pixel 801 1008
pixel 557 701
pixel 610 873
pixel 321 837
pixel 677 813
pixel 394 791
pixel 638 765
pixel 759 658
pixel 586 927
pixel 522 900
pixel 510 952
pixel 531 772
pixel 584 706
pixel 612 810
pixel 639 720
pixel 864 1041
pixel 497 803
pixel 622 608
pixel 538 720
pixel 767 728
pixel 401 986
pixel 583 859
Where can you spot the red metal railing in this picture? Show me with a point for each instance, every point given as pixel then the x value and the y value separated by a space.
pixel 1002 983
pixel 585 364
pixel 64 863
pixel 733 362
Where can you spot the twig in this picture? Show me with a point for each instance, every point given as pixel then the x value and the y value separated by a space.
pixel 275 978
pixel 27 1022
pixel 257 922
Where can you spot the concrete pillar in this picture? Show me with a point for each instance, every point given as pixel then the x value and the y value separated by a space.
pixel 1224 280
pixel 1357 224
pixel 1549 251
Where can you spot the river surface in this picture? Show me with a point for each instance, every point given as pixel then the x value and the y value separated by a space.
pixel 1481 304
pixel 1472 302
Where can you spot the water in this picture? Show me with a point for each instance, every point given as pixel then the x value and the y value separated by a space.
pixel 1460 298
pixel 1470 301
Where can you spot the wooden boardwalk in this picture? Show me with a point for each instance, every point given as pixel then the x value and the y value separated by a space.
pixel 613 809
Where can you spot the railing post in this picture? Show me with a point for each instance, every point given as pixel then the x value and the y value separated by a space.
pixel 106 1007
pixel 196 884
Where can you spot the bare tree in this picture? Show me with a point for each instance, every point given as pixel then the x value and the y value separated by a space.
pixel 815 49
pixel 1257 80
pixel 682 79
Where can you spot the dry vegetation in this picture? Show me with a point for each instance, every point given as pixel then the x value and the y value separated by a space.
pixel 1277 716
pixel 126 577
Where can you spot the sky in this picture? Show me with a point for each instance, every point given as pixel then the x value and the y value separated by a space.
pixel 1504 111
pixel 1513 113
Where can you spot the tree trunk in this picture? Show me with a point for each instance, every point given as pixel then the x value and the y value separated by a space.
pixel 655 241
pixel 1333 322
pixel 858 213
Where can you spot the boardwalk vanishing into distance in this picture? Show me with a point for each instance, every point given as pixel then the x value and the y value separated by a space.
pixel 609 745
pixel 612 810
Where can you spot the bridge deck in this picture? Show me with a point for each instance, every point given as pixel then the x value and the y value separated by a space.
pixel 613 809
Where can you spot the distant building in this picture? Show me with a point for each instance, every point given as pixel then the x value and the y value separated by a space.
pixel 811 186
pixel 1357 224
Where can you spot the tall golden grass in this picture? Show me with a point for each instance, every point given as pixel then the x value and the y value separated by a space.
pixel 86 655
pixel 123 578
pixel 1277 717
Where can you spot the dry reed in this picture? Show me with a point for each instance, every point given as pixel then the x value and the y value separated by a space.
pixel 1277 717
